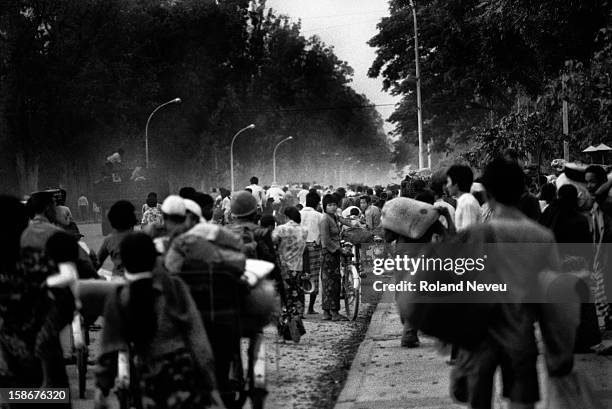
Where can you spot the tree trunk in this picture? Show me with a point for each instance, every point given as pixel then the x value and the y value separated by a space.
pixel 27 172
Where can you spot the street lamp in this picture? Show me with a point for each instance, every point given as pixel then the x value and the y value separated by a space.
pixel 232 154
pixel 174 101
pixel 274 157
pixel 418 84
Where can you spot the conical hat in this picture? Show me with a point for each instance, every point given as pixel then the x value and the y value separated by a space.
pixel 408 217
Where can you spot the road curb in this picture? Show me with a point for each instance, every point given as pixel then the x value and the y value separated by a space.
pixel 363 357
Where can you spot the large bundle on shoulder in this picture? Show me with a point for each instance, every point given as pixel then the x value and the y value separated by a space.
pixel 212 261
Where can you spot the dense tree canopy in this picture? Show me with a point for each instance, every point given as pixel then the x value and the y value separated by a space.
pixel 478 58
pixel 536 126
pixel 80 77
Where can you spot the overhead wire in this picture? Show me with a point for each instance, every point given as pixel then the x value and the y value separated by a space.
pixel 313 109
pixel 324 28
pixel 343 15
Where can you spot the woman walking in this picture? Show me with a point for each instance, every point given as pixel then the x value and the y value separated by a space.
pixel 330 271
pixel 291 241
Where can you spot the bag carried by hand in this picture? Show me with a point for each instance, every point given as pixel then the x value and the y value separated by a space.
pixel 439 314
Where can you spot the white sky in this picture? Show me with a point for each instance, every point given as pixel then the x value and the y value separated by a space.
pixel 346 25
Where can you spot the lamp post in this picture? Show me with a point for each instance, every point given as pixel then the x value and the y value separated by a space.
pixel 274 157
pixel 232 154
pixel 418 84
pixel 174 101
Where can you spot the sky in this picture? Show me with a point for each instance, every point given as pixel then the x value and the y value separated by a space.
pixel 346 25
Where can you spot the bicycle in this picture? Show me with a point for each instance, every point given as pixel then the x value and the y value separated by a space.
pixel 251 385
pixel 80 347
pixel 350 280
pixel 216 295
pixel 92 294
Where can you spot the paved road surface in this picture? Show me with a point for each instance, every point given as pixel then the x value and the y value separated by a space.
pixel 310 374
pixel 387 376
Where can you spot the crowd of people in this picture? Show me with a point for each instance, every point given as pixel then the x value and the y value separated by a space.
pixel 570 223
pixel 182 328
pixel 181 266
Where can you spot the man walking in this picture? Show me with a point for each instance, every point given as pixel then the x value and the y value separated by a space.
pixel 257 192
pixel 83 205
pixel 310 220
pixel 459 181
pixel 509 341
pixel 301 196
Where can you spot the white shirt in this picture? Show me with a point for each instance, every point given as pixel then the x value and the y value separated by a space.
pixel 276 193
pixel 310 220
pixel 451 211
pixel 258 193
pixel 302 197
pixel 468 211
pixel 226 205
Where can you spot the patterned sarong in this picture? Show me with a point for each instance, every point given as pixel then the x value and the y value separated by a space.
pixel 601 301
pixel 313 251
pixel 330 281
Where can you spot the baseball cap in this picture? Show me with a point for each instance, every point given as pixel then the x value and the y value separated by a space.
pixel 174 206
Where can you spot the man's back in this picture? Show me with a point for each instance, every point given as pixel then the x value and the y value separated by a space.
pixel 521 250
pixel 310 220
pixel 258 193
pixel 302 197
pixel 276 193
pixel 37 234
pixel 467 212
pixel 372 217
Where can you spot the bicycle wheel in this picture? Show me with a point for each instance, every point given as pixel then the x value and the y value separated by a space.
pixel 81 358
pixel 352 291
pixel 258 398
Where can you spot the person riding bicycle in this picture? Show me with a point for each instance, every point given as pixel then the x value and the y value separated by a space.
pixel 210 258
pixel 154 317
pixel 257 240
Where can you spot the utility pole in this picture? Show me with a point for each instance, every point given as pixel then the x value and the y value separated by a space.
pixel 418 85
pixel 565 124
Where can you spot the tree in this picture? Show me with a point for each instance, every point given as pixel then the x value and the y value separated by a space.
pixel 80 77
pixel 536 127
pixel 478 57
